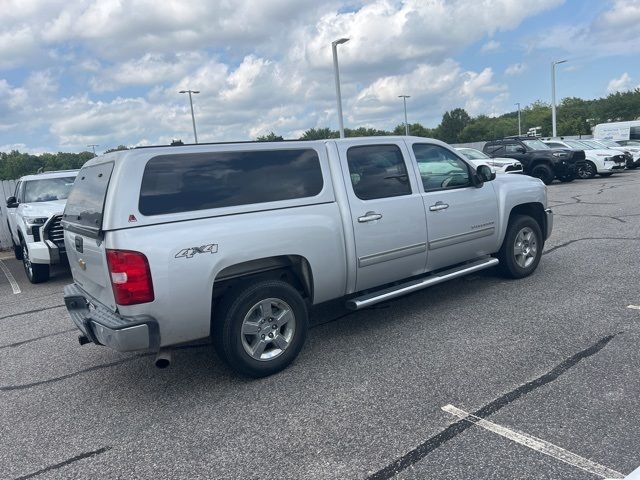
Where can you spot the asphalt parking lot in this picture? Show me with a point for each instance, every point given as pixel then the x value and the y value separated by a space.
pixel 548 367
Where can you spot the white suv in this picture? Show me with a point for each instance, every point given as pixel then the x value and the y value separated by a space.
pixel 35 212
pixel 599 160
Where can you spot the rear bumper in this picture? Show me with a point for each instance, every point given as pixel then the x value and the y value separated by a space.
pixel 549 220
pixel 104 327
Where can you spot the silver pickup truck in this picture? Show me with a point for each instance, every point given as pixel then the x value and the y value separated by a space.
pixel 168 245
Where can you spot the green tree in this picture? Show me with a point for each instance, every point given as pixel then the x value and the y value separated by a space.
pixel 319 134
pixel 452 124
pixel 270 137
pixel 117 149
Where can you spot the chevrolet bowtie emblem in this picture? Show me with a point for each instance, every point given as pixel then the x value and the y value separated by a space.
pixel 83 264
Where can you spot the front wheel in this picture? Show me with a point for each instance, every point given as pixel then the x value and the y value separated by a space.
pixel 260 328
pixel 544 173
pixel 588 170
pixel 522 247
pixel 36 273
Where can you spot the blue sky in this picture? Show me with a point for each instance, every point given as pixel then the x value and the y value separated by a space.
pixel 107 72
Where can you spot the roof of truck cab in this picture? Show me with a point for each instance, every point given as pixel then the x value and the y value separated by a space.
pixel 54 174
pixel 147 151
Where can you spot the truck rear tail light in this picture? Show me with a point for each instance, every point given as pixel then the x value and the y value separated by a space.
pixel 130 277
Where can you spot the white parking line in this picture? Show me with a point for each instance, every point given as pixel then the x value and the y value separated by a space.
pixel 536 444
pixel 634 307
pixel 7 273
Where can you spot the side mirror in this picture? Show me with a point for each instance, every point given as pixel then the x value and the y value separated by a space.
pixel 484 174
pixel 520 149
pixel 12 202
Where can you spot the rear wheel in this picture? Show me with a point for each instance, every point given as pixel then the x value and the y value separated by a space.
pixel 543 172
pixel 36 273
pixel 588 170
pixel 259 328
pixel 522 247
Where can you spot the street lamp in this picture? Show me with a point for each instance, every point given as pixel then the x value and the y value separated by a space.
pixel 193 117
pixel 334 48
pixel 553 94
pixel 406 125
pixel 519 124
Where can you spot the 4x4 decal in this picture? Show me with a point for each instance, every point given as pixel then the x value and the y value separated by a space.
pixel 190 252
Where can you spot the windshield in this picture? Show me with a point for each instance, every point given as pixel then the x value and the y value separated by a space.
pixel 536 144
pixel 578 145
pixel 607 143
pixel 596 144
pixel 48 189
pixel 473 154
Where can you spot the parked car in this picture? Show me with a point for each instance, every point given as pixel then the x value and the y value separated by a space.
pixel 632 153
pixel 35 212
pixel 600 161
pixel 499 165
pixel 168 245
pixel 538 159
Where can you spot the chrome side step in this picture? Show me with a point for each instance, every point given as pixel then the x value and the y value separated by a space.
pixel 414 285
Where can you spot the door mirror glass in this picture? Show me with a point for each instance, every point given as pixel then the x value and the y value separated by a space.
pixel 12 202
pixel 485 173
pixel 520 149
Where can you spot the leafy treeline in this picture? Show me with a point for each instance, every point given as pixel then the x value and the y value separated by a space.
pixel 14 164
pixel 574 117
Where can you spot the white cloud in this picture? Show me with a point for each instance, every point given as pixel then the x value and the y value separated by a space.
pixel 612 32
pixel 490 46
pixel 621 84
pixel 109 71
pixel 515 69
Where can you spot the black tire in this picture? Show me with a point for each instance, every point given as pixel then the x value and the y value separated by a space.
pixel 17 249
pixel 544 172
pixel 509 266
pixel 230 314
pixel 605 175
pixel 567 178
pixel 36 273
pixel 589 170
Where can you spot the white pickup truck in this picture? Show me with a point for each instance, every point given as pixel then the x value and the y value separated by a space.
pixel 172 244
pixel 35 213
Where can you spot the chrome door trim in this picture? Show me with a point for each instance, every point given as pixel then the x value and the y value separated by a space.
pixel 461 237
pixel 391 254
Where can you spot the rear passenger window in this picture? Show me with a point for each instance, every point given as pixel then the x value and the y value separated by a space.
pixel 378 171
pixel 494 149
pixel 199 181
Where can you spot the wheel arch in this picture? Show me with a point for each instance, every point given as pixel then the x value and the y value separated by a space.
pixel 531 209
pixel 294 269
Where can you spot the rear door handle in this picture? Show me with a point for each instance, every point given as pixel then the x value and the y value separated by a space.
pixel 439 206
pixel 369 217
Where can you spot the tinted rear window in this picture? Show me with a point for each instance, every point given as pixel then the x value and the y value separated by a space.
pixel 85 204
pixel 198 181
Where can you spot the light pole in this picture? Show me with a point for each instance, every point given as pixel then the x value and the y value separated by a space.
pixel 553 94
pixel 93 145
pixel 406 125
pixel 193 117
pixel 334 48
pixel 519 124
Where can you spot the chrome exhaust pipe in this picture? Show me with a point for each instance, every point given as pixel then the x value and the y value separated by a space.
pixel 164 358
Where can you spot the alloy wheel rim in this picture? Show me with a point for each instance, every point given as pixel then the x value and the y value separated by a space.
pixel 525 247
pixel 267 329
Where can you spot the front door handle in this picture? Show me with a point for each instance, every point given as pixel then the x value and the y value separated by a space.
pixel 369 217
pixel 439 206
